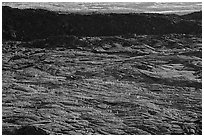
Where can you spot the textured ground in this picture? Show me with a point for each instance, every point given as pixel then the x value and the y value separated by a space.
pixel 103 85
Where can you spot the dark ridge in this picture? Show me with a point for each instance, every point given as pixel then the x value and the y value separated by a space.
pixel 193 16
pixel 25 130
pixel 30 24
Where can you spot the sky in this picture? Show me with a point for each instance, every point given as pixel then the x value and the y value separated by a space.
pixel 115 7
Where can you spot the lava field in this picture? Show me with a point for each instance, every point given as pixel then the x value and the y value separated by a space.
pixel 122 84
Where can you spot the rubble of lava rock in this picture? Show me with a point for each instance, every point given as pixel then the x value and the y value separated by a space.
pixel 124 84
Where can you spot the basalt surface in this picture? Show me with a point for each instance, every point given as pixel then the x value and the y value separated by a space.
pixel 124 84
